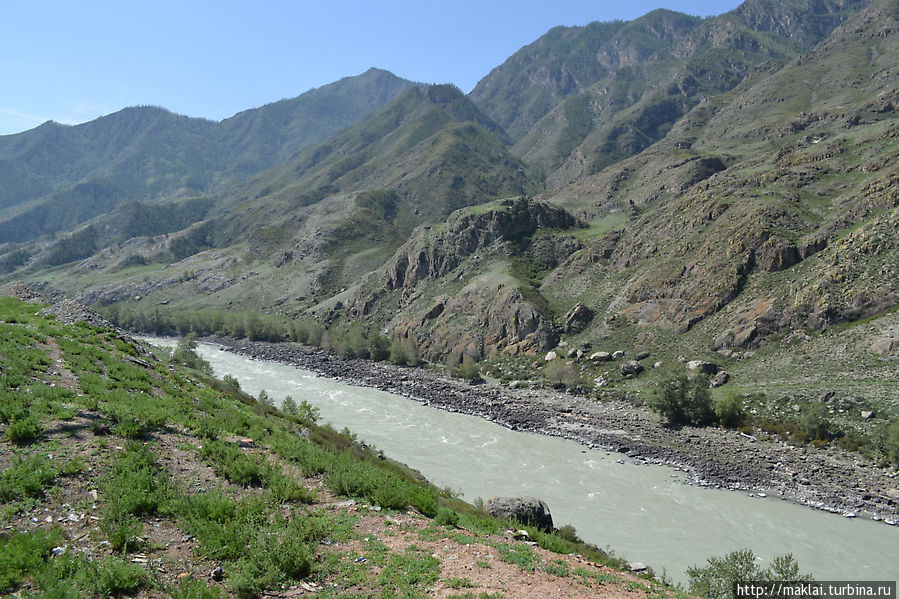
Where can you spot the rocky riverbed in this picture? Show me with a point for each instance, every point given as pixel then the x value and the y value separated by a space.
pixel 828 480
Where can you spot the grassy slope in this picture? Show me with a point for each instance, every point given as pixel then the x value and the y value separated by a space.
pixel 146 476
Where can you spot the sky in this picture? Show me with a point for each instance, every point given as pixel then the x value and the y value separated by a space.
pixel 72 62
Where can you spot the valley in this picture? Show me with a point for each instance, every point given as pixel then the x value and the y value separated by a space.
pixel 673 237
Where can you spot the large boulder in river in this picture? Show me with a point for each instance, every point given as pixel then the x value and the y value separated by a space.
pixel 527 510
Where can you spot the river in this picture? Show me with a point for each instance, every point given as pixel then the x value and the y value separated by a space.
pixel 645 513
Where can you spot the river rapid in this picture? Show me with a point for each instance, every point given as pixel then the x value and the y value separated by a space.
pixel 645 513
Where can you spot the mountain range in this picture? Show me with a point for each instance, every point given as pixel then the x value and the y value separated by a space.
pixel 672 185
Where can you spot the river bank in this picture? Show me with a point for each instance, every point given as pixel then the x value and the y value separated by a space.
pixel 825 480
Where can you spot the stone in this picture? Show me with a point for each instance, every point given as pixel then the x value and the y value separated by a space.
pixel 515 384
pixel 577 318
pixel 719 379
pixel 600 356
pixel 642 355
pixel 218 574
pixel 618 355
pixel 883 346
pixel 703 366
pixel 637 567
pixel 550 356
pixel 867 414
pixel 527 510
pixel 630 368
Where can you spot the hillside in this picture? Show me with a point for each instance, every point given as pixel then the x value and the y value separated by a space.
pixel 313 225
pixel 128 473
pixel 582 98
pixel 718 189
pixel 147 153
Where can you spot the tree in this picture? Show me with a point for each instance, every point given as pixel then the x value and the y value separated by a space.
pixel 729 410
pixel 681 400
pixel 289 406
pixel 186 354
pixel 717 579
pixel 891 442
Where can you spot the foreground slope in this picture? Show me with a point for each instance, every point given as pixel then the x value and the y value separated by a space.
pixel 126 474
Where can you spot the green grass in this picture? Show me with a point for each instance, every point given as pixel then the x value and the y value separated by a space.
pixel 258 524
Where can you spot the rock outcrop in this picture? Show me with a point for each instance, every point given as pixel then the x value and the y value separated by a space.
pixel 490 312
pixel 527 510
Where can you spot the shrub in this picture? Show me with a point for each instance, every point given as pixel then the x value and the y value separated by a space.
pixel 404 353
pixel 26 478
pixel 681 400
pixel 186 355
pixel 891 442
pixel 446 517
pixel 289 406
pixel 560 373
pixel 378 347
pixel 717 579
pixel 116 576
pixel 23 553
pixel 24 430
pixel 814 423
pixel 466 369
pixel 729 410
pixel 231 381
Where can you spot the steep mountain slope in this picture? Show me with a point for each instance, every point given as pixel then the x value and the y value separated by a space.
pixel 777 201
pixel 147 153
pixel 580 99
pixel 768 208
pixel 306 229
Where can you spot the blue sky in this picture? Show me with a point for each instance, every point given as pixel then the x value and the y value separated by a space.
pixel 75 61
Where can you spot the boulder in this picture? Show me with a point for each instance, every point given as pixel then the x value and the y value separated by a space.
pixel 527 510
pixel 703 367
pixel 630 368
pixel 577 318
pixel 883 346
pixel 600 356
pixel 719 379
pixel 642 355
pixel 550 356
pixel 618 355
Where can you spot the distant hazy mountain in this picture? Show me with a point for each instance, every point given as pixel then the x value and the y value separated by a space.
pixel 56 177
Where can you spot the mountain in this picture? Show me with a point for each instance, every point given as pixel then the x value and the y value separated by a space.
pixel 719 188
pixel 582 98
pixel 316 223
pixel 147 153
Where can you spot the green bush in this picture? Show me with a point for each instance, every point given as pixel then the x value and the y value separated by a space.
pixel 681 400
pixel 24 553
pixel 561 373
pixel 116 576
pixel 813 421
pixel 186 354
pixel 26 477
pixel 446 517
pixel 729 410
pixel 24 430
pixel 378 347
pixel 891 442
pixel 404 353
pixel 717 579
